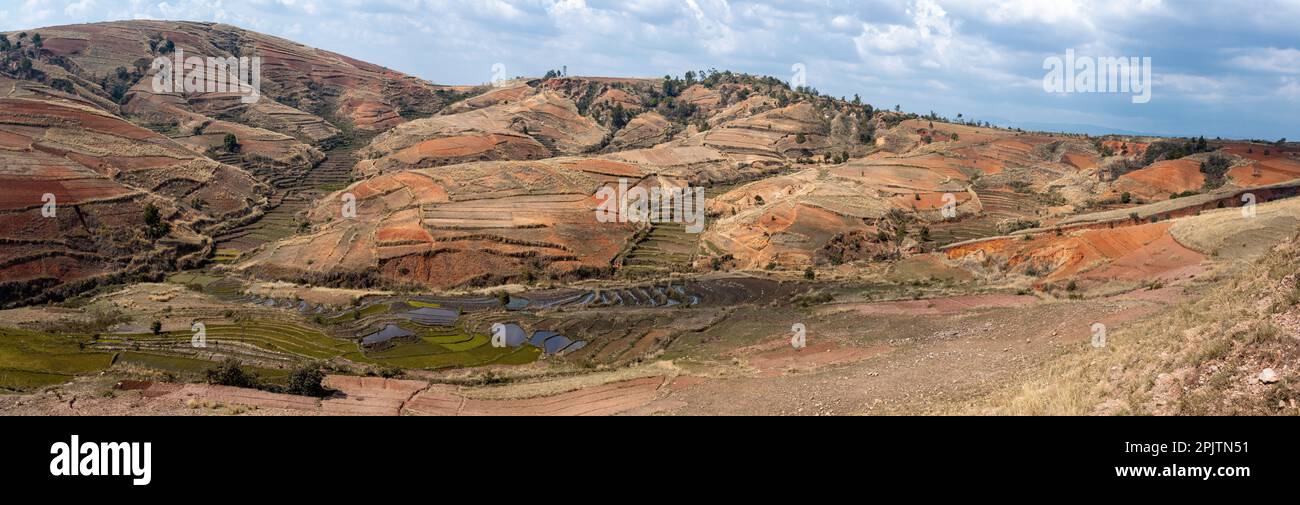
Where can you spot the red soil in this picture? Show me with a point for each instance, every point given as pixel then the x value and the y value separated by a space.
pixel 607 399
pixel 950 305
pixel 1128 253
pixel 816 356
pixel 1164 178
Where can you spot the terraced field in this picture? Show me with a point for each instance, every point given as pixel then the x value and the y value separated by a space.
pixel 262 341
pixel 668 248
pixel 31 360
pixel 293 198
pixel 280 222
pixel 335 172
pixel 453 348
pixel 998 204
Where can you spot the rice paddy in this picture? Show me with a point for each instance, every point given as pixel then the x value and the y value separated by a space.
pixel 30 360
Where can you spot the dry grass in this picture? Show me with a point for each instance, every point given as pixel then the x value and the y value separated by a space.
pixel 1202 358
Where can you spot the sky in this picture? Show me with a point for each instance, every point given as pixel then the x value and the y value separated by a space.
pixel 1226 69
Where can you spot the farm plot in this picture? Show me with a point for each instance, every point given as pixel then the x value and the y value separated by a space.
pixel 280 339
pixel 31 360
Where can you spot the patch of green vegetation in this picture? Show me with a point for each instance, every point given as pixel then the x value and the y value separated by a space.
pixel 189 366
pixel 282 338
pixel 449 348
pixel 358 314
pixel 30 360
pixel 20 380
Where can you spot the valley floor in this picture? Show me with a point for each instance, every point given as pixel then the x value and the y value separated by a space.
pixel 905 357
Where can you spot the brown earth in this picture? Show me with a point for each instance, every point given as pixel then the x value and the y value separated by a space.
pixel 102 172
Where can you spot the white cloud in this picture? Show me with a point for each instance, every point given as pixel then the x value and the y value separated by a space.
pixel 974 56
pixel 1267 59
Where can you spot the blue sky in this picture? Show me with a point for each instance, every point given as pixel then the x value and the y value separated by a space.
pixel 1221 68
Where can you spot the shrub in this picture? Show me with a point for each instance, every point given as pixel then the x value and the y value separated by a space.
pixel 307 380
pixel 63 85
pixel 155 227
pixel 230 143
pixel 230 373
pixel 1215 168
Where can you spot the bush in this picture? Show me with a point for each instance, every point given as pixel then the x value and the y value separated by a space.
pixel 230 373
pixel 230 143
pixel 810 274
pixel 307 380
pixel 1215 168
pixel 155 227
pixel 156 327
pixel 63 85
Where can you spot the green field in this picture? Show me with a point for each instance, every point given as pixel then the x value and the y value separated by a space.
pixel 283 338
pixel 358 314
pixel 190 366
pixel 449 348
pixel 31 360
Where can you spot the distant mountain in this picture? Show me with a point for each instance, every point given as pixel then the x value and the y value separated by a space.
pixel 1088 129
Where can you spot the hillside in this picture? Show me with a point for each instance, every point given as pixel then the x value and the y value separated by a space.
pixel 456 246
pixel 82 122
pixel 1232 352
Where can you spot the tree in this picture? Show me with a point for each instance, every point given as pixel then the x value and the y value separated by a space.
pixel 810 274
pixel 155 227
pixel 230 143
pixel 5 45
pixel 307 380
pixel 156 327
pixel 141 66
pixel 618 117
pixel 956 136
pixel 37 41
pixel 63 85
pixel 800 138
